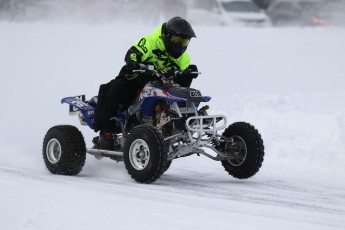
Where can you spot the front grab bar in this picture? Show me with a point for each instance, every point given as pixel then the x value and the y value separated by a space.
pixel 205 125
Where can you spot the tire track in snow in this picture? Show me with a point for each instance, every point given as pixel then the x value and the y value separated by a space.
pixel 277 193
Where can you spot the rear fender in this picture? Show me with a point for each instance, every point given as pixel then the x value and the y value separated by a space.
pixel 79 105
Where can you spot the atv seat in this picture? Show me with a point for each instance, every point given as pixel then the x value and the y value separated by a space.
pixel 94 100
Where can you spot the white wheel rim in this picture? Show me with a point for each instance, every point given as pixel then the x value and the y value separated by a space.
pixel 241 153
pixel 139 154
pixel 53 151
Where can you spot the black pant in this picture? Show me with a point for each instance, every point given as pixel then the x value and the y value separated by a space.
pixel 110 96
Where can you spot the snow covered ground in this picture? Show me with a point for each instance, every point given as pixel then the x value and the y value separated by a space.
pixel 288 82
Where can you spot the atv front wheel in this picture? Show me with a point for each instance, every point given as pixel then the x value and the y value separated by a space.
pixel 64 150
pixel 246 147
pixel 145 154
pixel 168 165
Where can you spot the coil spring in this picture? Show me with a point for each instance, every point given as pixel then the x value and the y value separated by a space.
pixel 215 142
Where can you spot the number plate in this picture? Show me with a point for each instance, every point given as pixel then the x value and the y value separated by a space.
pixel 195 94
pixel 78 101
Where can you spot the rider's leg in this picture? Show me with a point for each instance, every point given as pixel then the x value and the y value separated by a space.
pixel 116 92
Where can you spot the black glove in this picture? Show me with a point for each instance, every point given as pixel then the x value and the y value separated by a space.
pixel 191 71
pixel 132 60
pixel 131 65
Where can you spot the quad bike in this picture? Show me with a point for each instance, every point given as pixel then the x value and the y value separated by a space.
pixel 162 124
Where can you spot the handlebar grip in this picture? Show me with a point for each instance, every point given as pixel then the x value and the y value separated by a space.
pixel 139 70
pixel 146 67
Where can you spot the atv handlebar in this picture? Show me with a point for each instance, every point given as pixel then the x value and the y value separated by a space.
pixel 164 76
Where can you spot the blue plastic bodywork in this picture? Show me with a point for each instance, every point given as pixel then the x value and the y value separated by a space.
pixel 146 103
pixel 84 107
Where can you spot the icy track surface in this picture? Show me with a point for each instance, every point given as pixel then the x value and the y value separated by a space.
pixel 289 83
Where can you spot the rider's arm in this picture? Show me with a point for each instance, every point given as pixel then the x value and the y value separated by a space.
pixel 133 58
pixel 138 53
pixel 187 76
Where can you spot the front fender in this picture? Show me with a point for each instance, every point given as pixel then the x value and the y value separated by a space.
pixel 148 103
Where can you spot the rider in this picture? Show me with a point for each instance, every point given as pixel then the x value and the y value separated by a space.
pixel 165 50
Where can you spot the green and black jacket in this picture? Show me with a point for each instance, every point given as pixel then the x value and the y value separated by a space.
pixel 150 49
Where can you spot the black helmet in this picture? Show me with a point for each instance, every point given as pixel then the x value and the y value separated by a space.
pixel 176 34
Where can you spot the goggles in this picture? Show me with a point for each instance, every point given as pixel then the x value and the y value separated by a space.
pixel 178 40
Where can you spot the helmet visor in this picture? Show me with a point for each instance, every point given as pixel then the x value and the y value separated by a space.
pixel 179 41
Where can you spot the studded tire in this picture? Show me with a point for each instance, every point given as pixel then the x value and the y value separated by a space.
pixel 247 147
pixel 145 154
pixel 64 150
pixel 167 166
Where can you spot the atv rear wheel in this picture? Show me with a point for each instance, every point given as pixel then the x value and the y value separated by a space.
pixel 247 149
pixel 145 154
pixel 64 150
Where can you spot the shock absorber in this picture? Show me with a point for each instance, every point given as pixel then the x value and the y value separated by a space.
pixel 215 142
pixel 164 113
pixel 202 111
pixel 157 114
